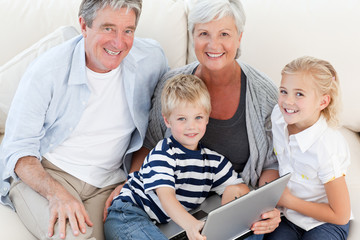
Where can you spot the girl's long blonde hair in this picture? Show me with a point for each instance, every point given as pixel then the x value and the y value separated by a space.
pixel 326 80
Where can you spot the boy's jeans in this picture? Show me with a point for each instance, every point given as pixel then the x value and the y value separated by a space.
pixel 127 221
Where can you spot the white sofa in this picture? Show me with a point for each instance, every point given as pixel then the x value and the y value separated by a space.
pixel 276 32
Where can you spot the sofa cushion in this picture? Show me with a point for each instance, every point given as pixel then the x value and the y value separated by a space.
pixel 25 22
pixel 12 71
pixel 168 25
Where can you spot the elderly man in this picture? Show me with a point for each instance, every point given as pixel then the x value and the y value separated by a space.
pixel 80 111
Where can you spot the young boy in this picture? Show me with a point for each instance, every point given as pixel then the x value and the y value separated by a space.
pixel 178 173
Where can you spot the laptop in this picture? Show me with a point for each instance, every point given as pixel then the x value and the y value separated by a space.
pixel 234 219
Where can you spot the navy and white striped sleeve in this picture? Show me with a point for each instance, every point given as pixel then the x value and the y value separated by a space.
pixel 225 175
pixel 158 170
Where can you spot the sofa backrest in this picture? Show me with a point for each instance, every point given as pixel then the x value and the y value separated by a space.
pixel 32 27
pixel 279 31
pixel 25 22
pixel 276 32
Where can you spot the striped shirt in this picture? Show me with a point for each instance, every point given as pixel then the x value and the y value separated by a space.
pixel 193 174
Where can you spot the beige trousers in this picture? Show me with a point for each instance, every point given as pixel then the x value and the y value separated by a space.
pixel 33 209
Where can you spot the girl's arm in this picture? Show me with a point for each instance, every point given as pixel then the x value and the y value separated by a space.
pixel 178 214
pixel 337 211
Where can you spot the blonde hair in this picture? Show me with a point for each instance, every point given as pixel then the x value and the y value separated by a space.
pixel 325 79
pixel 184 89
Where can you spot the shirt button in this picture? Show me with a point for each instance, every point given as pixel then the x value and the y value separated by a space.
pixel 71 129
pixel 5 189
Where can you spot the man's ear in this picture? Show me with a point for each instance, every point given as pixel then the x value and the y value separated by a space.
pixel 166 121
pixel 325 101
pixel 82 26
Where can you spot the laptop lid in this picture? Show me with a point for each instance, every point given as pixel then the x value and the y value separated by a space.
pixel 235 218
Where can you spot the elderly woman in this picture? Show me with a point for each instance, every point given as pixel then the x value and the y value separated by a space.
pixel 242 99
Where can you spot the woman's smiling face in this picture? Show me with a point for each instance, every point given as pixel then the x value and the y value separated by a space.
pixel 216 42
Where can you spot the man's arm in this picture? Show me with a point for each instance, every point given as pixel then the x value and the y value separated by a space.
pixel 62 204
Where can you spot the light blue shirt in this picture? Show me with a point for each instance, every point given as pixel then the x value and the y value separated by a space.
pixel 53 94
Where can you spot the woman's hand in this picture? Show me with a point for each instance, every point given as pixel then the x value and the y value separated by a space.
pixel 269 223
pixel 110 198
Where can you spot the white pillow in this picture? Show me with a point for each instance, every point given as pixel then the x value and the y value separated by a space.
pixel 12 71
pixel 166 22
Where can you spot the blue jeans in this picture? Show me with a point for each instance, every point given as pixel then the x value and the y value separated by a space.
pixel 289 231
pixel 126 220
pixel 255 237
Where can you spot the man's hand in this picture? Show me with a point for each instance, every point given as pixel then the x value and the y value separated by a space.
pixel 61 203
pixel 110 198
pixel 64 206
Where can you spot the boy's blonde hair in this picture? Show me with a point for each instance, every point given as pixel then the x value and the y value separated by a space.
pixel 325 79
pixel 184 89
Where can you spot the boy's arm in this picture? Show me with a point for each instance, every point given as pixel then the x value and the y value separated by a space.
pixel 178 214
pixel 232 192
pixel 337 211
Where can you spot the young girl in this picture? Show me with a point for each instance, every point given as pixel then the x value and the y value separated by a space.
pixel 316 202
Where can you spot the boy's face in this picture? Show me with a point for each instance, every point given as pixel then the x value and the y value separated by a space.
pixel 299 102
pixel 188 124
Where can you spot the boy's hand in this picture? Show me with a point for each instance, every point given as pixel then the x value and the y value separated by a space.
pixel 234 191
pixel 193 230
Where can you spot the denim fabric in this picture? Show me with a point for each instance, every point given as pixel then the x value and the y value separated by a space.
pixel 255 237
pixel 127 221
pixel 289 231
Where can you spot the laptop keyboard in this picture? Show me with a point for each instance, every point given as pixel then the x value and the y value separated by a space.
pixel 180 236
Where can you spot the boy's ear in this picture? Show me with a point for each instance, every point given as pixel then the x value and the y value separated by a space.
pixel 166 121
pixel 325 100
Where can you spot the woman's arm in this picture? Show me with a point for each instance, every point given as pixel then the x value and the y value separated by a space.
pixel 178 214
pixel 136 162
pixel 337 211
pixel 232 192
pixel 268 176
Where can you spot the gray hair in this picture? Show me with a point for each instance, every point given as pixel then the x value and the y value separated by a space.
pixel 89 8
pixel 205 11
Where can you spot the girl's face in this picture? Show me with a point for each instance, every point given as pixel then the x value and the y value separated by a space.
pixel 216 43
pixel 300 102
pixel 188 124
